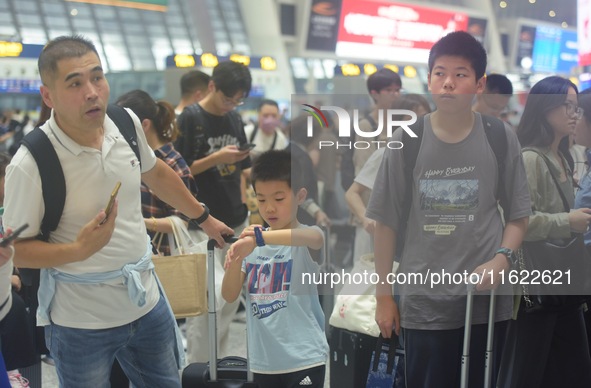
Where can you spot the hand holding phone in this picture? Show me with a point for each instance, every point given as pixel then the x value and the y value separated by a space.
pixel 109 207
pixel 246 146
pixel 13 236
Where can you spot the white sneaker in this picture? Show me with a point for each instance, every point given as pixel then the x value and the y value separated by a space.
pixel 17 380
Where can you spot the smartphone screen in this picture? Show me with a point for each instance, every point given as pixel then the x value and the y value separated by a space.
pixel 246 147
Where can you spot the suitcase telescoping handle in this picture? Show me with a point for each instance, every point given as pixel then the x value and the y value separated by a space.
pixel 468 332
pixel 211 309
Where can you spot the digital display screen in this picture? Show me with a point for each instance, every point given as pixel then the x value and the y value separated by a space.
pixel 555 50
pixel 390 31
pixel 584 31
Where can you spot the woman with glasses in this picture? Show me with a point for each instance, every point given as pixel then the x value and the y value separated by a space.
pixel 549 349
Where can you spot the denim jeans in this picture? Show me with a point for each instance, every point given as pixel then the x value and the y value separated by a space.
pixel 144 348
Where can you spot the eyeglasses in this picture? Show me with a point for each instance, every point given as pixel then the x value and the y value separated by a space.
pixel 230 102
pixel 573 110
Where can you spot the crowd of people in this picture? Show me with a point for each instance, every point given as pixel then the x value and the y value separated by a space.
pixel 463 206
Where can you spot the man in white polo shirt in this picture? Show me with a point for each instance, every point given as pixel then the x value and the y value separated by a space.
pixel 98 296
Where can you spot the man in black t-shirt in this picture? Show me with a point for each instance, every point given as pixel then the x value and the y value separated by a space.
pixel 211 133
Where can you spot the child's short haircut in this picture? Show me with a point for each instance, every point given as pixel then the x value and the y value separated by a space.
pixel 382 79
pixel 277 165
pixel 460 44
pixel 499 84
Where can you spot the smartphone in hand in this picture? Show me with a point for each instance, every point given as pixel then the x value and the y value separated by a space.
pixel 111 202
pixel 13 236
pixel 246 146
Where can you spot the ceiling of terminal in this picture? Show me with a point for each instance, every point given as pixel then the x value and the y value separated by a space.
pixel 562 11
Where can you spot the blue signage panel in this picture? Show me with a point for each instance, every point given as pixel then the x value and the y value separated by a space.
pixel 555 50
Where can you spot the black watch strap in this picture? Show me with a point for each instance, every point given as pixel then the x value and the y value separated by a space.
pixel 509 254
pixel 201 219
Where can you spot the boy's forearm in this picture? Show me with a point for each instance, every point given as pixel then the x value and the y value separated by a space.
pixel 384 248
pixel 354 200
pixel 514 233
pixel 309 237
pixel 203 164
pixel 232 282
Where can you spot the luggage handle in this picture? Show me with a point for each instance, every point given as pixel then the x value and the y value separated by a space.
pixel 211 310
pixel 471 288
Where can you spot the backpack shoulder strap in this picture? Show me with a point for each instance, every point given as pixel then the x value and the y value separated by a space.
pixel 410 152
pixel 497 139
pixel 53 182
pixel 254 133
pixel 124 122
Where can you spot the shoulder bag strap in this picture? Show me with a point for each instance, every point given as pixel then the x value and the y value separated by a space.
pixel 549 165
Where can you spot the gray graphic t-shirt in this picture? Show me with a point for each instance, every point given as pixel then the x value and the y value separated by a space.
pixel 454 223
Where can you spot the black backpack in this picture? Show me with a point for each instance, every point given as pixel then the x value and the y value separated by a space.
pixel 497 139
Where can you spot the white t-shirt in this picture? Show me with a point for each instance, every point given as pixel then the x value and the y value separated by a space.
pixel 264 142
pixel 367 174
pixel 90 176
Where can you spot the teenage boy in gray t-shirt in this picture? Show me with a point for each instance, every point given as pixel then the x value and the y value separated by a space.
pixel 454 223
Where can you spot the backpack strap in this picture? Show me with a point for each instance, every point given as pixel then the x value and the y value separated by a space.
pixel 253 134
pixel 53 182
pixel 410 152
pixel 497 139
pixel 190 124
pixel 124 122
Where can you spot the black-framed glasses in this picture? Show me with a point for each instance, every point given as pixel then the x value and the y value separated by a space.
pixel 573 110
pixel 230 102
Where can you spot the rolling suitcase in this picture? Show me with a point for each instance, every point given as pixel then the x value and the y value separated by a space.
pixel 350 356
pixel 229 372
pixel 489 339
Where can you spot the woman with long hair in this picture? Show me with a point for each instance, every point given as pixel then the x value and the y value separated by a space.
pixel 159 124
pixel 549 349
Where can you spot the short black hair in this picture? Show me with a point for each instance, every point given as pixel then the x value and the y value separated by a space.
pixel 193 81
pixel 232 77
pixel 62 47
pixel 460 44
pixel 268 102
pixel 382 79
pixel 498 84
pixel 277 165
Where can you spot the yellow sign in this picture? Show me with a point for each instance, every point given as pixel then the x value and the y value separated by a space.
pixel 410 71
pixel 209 60
pixel 268 63
pixel 244 59
pixel 394 68
pixel 350 70
pixel 369 68
pixel 184 60
pixel 10 49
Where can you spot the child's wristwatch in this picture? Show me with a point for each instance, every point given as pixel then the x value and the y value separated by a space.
pixel 258 236
pixel 509 254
